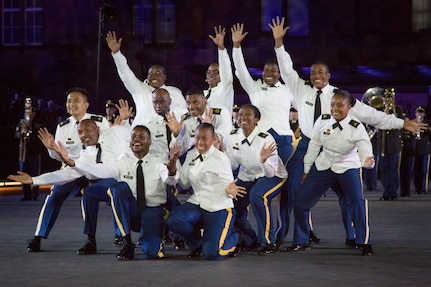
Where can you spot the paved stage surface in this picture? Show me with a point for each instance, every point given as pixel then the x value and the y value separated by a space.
pixel 400 236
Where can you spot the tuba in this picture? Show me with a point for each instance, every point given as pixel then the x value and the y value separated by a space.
pixel 374 97
pixel 24 129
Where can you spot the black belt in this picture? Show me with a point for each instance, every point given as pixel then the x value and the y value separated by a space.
pixel 304 137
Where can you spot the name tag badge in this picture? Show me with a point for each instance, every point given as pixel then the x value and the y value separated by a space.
pixel 159 136
pixel 309 103
pixel 128 176
pixel 192 163
pixel 70 142
pixel 264 88
pixel 327 132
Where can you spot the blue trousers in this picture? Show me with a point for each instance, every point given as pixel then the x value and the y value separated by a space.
pixel 389 175
pixel 420 173
pixel 315 185
pixel 295 169
pixel 129 218
pixel 53 202
pixel 285 150
pixel 93 195
pixel 242 224
pixel 261 194
pixel 219 238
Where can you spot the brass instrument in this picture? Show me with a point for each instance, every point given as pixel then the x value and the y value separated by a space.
pixel 390 107
pixel 374 98
pixel 24 129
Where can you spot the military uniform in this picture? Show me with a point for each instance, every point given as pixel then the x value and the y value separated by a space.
pixel 336 152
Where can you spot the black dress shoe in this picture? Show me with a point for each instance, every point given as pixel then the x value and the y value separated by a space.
pixel 250 247
pixel 314 238
pixel 33 245
pixel 394 197
pixel 179 244
pixel 366 249
pixel 195 252
pixel 235 252
pixel 384 198
pixel 269 249
pixel 118 241
pixel 298 247
pixel 350 243
pixel 127 252
pixel 88 248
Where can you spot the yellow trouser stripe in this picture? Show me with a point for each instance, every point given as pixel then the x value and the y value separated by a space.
pixel 224 233
pixel 117 220
pixel 267 212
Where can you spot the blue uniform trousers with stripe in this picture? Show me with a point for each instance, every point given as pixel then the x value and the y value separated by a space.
pixel 315 185
pixel 285 150
pixel 93 194
pixel 219 238
pixel 53 202
pixel 295 169
pixel 261 194
pixel 249 236
pixel 129 218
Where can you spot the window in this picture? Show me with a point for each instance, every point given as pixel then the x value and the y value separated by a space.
pixel 22 22
pixel 296 11
pixel 155 20
pixel 421 14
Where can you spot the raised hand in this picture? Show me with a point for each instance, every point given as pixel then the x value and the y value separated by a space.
pixel 209 117
pixel 113 44
pixel 278 31
pixel 267 151
pixel 235 190
pixel 174 152
pixel 22 177
pixel 218 39
pixel 237 34
pixel 174 125
pixel 124 110
pixel 46 138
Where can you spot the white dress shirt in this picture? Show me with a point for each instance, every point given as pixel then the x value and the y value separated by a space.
pixel 223 94
pixel 273 102
pixel 141 91
pixel 208 178
pixel 245 153
pixel 67 134
pixel 156 175
pixel 113 143
pixel 305 96
pixel 343 149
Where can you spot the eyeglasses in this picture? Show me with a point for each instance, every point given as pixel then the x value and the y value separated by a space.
pixel 210 72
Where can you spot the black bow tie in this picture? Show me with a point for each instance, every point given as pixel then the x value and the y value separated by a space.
pixel 245 141
pixel 337 124
pixel 199 157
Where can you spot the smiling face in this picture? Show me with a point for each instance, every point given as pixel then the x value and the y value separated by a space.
pixel 140 141
pixel 76 105
pixel 212 75
pixel 319 75
pixel 204 138
pixel 247 119
pixel 156 76
pixel 88 132
pixel 271 74
pixel 196 104
pixel 340 107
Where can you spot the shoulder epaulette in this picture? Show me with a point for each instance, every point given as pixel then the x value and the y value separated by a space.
pixel 354 123
pixel 216 111
pixel 65 122
pixel 326 116
pixel 234 131
pixel 185 116
pixel 97 118
pixel 263 135
pixel 308 83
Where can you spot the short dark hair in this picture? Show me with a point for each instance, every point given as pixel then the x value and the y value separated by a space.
pixel 142 127
pixel 345 95
pixel 206 126
pixel 82 91
pixel 256 111
pixel 271 61
pixel 195 91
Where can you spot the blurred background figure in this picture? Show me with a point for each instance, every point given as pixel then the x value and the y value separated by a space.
pixel 111 111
